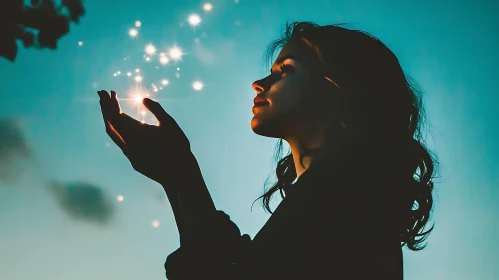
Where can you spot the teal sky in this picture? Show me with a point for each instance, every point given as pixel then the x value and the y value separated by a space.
pixel 449 47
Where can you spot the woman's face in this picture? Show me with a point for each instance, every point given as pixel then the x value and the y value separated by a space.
pixel 288 93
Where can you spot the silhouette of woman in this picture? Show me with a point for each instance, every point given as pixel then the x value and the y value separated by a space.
pixel 356 186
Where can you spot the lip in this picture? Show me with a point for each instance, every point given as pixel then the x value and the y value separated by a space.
pixel 258 106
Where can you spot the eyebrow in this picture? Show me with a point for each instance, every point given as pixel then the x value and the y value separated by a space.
pixel 282 59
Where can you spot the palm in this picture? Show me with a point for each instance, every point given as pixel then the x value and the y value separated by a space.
pixel 154 151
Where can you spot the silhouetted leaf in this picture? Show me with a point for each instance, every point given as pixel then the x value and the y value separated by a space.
pixel 50 19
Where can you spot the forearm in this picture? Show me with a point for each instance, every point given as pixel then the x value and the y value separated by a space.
pixel 192 200
pixel 177 212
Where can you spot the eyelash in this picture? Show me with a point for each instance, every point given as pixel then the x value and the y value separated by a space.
pixel 285 68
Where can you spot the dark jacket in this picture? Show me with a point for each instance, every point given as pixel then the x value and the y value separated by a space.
pixel 334 223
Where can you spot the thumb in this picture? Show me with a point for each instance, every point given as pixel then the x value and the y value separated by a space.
pixel 156 109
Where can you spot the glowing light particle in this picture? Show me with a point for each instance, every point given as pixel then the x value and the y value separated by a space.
pixel 115 74
pixel 197 85
pixel 129 74
pixel 137 70
pixel 194 20
pixel 143 113
pixel 148 59
pixel 207 7
pixel 120 198
pixel 80 43
pixel 150 49
pixel 138 99
pixel 155 223
pixel 175 53
pixel 155 90
pixel 138 23
pixel 133 32
pixel 138 79
pixel 119 72
pixel 177 75
pixel 164 82
pixel 163 59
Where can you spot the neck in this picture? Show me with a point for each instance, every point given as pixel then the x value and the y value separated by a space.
pixel 311 145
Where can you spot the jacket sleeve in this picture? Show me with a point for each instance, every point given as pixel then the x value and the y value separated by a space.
pixel 212 251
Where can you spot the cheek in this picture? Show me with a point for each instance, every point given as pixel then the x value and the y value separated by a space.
pixel 289 97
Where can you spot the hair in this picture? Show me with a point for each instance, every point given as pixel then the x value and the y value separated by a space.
pixel 381 103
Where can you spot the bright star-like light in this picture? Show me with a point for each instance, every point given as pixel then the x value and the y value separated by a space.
pixel 120 198
pixel 164 82
pixel 137 70
pixel 138 99
pixel 119 72
pixel 175 53
pixel 155 223
pixel 163 59
pixel 194 20
pixel 115 74
pixel 150 49
pixel 207 7
pixel 129 74
pixel 197 85
pixel 80 43
pixel 138 79
pixel 133 32
pixel 148 59
pixel 138 23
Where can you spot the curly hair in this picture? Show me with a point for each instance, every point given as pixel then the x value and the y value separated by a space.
pixel 383 103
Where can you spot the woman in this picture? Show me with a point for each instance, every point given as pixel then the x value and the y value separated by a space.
pixel 356 186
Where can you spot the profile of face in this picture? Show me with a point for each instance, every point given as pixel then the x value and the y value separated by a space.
pixel 289 94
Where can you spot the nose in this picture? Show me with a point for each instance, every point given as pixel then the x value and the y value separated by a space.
pixel 258 86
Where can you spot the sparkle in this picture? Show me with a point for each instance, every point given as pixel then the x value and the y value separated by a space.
pixel 148 59
pixel 138 99
pixel 138 23
pixel 115 74
pixel 80 43
pixel 155 223
pixel 164 82
pixel 133 32
pixel 119 72
pixel 143 113
pixel 138 79
pixel 120 198
pixel 150 49
pixel 175 53
pixel 137 70
pixel 178 68
pixel 163 59
pixel 207 7
pixel 155 89
pixel 197 85
pixel 194 20
pixel 129 74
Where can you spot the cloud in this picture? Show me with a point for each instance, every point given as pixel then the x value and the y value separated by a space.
pixel 14 149
pixel 84 201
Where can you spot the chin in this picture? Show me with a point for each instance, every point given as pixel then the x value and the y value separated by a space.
pixel 264 128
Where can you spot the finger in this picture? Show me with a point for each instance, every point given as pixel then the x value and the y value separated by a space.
pixel 115 136
pixel 158 111
pixel 125 125
pixel 110 130
pixel 165 120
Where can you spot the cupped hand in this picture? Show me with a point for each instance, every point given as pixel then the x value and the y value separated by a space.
pixel 156 151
